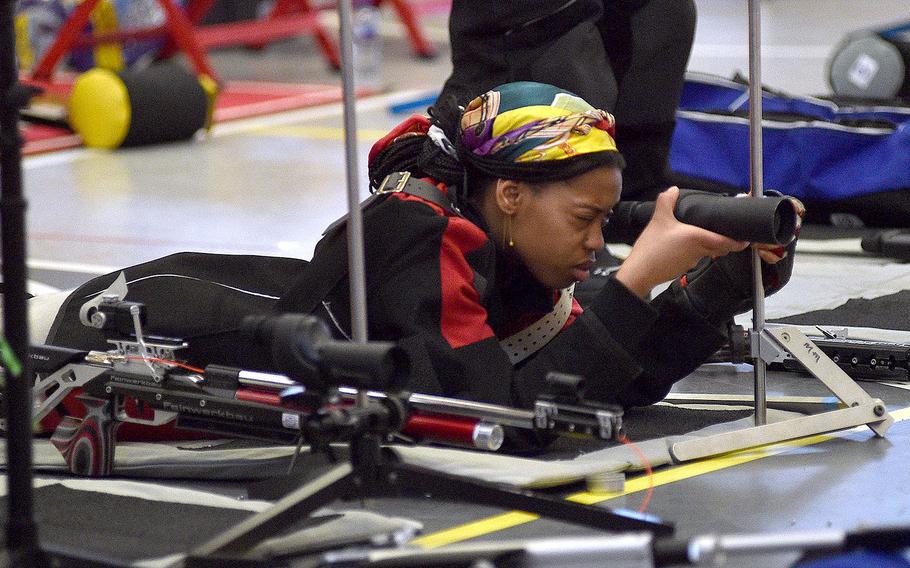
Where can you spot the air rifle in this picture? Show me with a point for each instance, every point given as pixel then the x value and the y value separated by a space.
pixel 141 381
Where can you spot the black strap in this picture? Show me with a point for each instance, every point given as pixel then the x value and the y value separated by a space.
pixel 325 272
pixel 402 182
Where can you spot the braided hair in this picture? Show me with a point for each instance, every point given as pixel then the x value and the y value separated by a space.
pixel 421 156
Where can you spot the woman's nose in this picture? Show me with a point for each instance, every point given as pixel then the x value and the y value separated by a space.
pixel 594 240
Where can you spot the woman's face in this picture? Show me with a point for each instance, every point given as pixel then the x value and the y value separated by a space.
pixel 556 227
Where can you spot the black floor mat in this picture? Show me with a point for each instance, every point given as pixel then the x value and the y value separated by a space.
pixel 122 529
pixel 885 312
pixel 658 421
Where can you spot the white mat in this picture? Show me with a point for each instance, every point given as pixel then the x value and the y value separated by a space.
pixel 169 460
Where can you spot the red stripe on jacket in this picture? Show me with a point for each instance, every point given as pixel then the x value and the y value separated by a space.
pixel 463 319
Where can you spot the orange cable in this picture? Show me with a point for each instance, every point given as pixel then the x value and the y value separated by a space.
pixel 648 471
pixel 166 361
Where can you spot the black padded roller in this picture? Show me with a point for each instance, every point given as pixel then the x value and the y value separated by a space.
pixel 163 103
pixel 168 104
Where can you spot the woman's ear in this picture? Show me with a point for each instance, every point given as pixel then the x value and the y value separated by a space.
pixel 508 195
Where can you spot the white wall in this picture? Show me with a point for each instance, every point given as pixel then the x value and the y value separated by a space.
pixel 798 37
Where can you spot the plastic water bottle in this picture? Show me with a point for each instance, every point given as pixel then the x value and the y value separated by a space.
pixel 37 24
pixel 367 45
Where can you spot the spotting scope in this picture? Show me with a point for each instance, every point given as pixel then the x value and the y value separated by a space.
pixel 768 219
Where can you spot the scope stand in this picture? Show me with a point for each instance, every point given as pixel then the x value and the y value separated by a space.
pixel 770 345
pixel 371 473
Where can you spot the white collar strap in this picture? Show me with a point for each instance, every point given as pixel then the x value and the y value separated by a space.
pixel 526 342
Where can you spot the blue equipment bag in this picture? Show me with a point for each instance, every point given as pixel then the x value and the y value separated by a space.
pixel 849 158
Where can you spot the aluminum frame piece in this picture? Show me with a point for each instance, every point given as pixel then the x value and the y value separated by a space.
pixel 756 175
pixel 859 407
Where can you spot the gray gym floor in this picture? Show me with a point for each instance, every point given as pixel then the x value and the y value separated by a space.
pixel 270 186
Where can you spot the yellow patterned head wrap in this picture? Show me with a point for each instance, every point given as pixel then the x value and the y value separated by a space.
pixel 534 122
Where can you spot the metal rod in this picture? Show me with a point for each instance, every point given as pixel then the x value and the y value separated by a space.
pixel 12 218
pixel 629 549
pixel 356 264
pixel 715 550
pixel 505 415
pixel 356 268
pixel 21 530
pixel 492 412
pixel 756 171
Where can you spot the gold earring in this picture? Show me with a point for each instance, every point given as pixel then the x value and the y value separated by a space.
pixel 507 234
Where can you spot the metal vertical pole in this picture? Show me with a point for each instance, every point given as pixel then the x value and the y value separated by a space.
pixel 356 264
pixel 756 175
pixel 356 267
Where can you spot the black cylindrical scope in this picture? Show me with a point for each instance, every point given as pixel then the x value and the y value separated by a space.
pixel 301 346
pixel 770 220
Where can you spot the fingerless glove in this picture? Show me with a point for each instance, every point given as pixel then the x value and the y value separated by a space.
pixel 720 289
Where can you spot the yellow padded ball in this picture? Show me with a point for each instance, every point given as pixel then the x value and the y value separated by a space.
pixel 99 109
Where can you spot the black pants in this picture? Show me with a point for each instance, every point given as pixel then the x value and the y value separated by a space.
pixel 625 56
pixel 197 297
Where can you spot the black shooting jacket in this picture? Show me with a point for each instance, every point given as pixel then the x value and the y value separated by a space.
pixel 440 287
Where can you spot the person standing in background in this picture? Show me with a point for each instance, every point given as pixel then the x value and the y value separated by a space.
pixel 628 57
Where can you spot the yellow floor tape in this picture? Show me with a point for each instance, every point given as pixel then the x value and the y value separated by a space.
pixel 670 475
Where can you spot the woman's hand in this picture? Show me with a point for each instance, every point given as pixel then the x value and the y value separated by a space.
pixel 722 288
pixel 772 254
pixel 668 248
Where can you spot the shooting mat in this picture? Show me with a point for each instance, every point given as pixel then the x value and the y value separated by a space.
pixel 227 461
pixel 151 525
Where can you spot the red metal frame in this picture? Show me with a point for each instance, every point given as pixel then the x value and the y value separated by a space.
pixel 71 35
pixel 408 16
pixel 182 30
pixel 182 27
pixel 288 18
pixel 403 8
pixel 325 41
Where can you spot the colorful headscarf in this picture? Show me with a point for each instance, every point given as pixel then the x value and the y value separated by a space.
pixel 522 131
pixel 534 122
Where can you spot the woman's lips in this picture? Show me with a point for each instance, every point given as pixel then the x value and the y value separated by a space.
pixel 582 271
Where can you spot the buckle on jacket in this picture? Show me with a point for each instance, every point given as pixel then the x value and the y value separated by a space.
pixel 394 182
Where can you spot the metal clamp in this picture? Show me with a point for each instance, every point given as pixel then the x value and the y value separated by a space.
pixel 766 348
pixel 545 414
pixel 399 179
